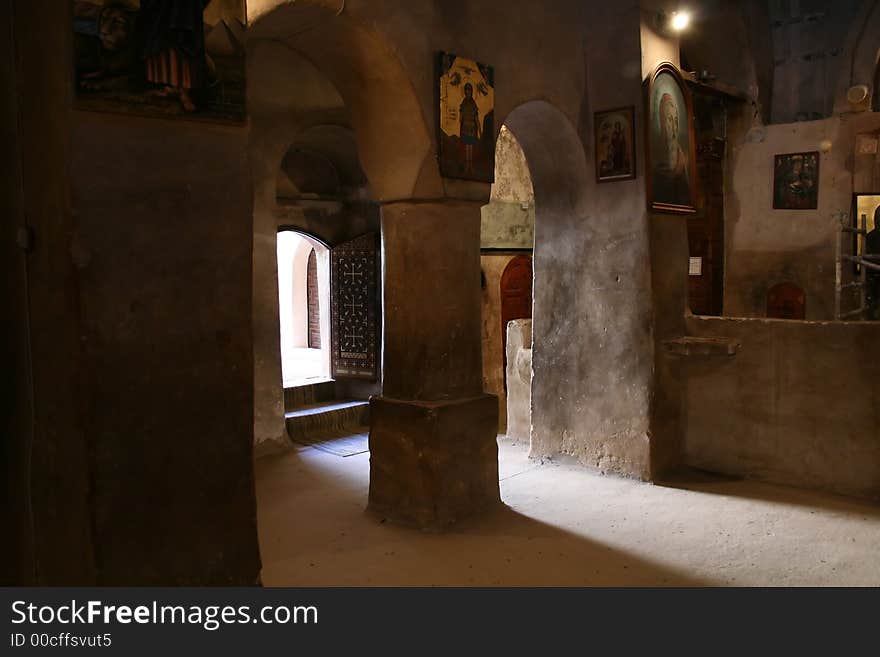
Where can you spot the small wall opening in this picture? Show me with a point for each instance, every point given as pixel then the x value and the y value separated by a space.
pixel 303 309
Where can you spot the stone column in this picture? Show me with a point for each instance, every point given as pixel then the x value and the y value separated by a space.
pixel 519 380
pixel 433 449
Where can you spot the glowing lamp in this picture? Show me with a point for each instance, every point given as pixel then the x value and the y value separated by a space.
pixel 679 21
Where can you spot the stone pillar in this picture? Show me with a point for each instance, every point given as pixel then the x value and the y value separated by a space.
pixel 519 380
pixel 433 449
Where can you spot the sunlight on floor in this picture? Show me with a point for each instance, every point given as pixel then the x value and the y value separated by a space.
pixel 561 525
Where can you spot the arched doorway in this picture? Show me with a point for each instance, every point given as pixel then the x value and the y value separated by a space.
pixel 516 298
pixel 341 76
pixel 303 309
pixel 325 154
pixel 507 235
pixel 565 262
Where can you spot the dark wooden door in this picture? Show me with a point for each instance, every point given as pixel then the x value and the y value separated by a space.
pixel 354 305
pixel 516 298
pixel 706 231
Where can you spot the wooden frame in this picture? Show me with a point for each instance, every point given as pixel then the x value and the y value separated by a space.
pixel 669 139
pixel 614 161
pixel 804 192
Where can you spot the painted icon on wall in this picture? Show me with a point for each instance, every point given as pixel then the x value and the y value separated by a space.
pixel 466 123
pixel 615 144
pixel 166 58
pixel 670 136
pixel 796 181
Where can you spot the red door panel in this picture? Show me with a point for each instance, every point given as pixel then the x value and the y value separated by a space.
pixel 516 298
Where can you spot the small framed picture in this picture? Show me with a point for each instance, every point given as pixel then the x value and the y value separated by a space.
pixel 615 144
pixel 796 181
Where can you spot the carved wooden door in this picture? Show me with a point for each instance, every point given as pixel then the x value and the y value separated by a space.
pixel 516 298
pixel 706 232
pixel 354 305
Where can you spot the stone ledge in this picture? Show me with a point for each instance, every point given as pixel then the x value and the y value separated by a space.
pixel 693 346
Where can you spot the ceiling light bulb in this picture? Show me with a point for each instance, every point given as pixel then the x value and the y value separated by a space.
pixel 680 21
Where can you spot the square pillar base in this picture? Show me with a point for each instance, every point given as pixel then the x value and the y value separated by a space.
pixel 433 463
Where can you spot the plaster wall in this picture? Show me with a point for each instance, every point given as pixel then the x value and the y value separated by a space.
pixel 657 46
pixel 766 246
pixel 139 332
pixel 718 29
pixel 795 405
pixel 756 414
pixel 809 56
pixel 162 248
pixel 508 221
pixel 591 326
pixel 17 556
pixel 46 514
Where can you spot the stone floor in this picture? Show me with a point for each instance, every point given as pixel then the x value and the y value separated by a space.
pixel 562 525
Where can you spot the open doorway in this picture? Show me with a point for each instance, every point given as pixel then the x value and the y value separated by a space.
pixel 317 272
pixel 516 298
pixel 328 292
pixel 567 385
pixel 303 309
pixel 506 242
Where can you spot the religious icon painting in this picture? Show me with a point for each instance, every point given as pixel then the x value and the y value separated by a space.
pixel 671 170
pixel 162 58
pixel 615 144
pixel 796 181
pixel 466 136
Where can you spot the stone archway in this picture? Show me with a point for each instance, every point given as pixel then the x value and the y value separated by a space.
pixel 591 353
pixel 557 164
pixel 362 70
pixel 317 90
pixel 344 74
